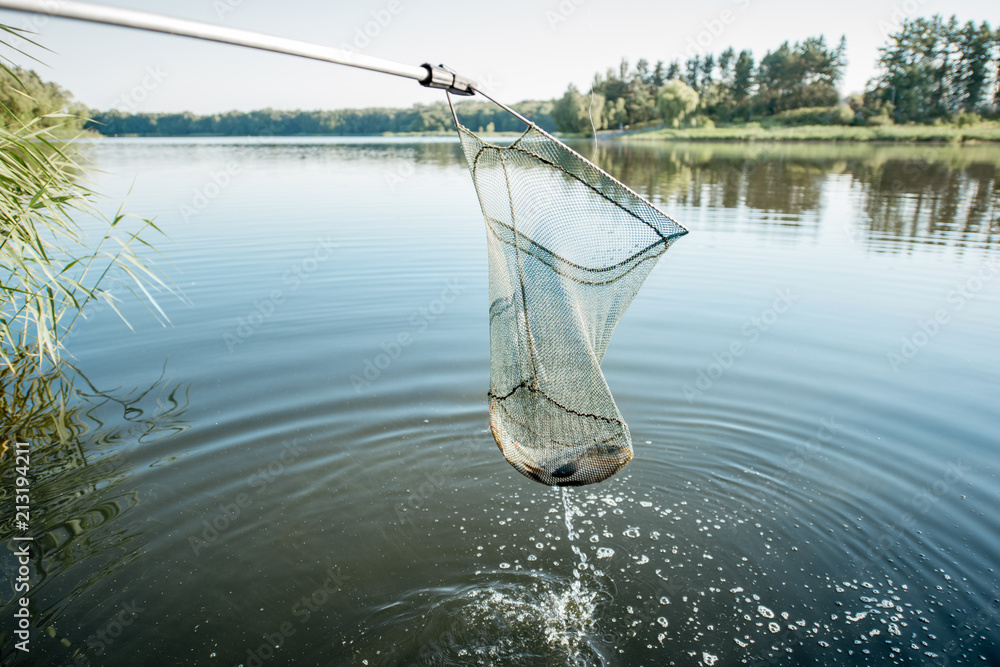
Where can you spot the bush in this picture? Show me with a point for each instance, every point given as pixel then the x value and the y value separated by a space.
pixel 840 114
pixel 701 121
pixel 675 100
pixel 843 115
pixel 879 120
pixel 966 118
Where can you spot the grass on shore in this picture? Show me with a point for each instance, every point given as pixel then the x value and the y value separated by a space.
pixel 983 132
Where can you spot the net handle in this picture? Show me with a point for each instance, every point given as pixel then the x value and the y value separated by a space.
pixel 430 76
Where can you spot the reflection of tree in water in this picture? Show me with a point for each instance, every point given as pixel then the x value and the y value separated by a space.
pixel 772 178
pixel 925 194
pixel 79 491
pixel 932 202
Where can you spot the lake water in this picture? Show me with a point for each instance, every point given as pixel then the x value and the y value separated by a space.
pixel 810 378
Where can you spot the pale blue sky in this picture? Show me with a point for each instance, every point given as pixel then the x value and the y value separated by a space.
pixel 522 49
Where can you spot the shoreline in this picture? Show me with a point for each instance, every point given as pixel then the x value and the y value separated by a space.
pixel 950 135
pixel 985 133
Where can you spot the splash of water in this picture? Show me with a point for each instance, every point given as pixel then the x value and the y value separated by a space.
pixel 569 511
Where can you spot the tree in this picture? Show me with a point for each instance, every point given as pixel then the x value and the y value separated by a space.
pixel 27 98
pixel 572 112
pixel 642 72
pixel 675 100
pixel 612 86
pixel 707 68
pixel 743 75
pixel 615 113
pixel 623 70
pixel 659 75
pixel 726 59
pixel 932 68
pixel 692 68
pixel 641 103
pixel 976 48
pixel 724 102
pixel 801 75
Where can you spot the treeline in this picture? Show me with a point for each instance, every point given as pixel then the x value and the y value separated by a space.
pixel 26 98
pixel 933 69
pixel 424 118
pixel 930 69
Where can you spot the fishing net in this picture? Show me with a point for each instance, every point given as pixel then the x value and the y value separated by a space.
pixel 569 246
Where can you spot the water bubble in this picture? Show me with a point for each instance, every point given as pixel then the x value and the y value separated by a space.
pixel 773 627
pixel 605 552
pixel 765 612
pixel 504 566
pixel 662 621
pixel 632 532
pixel 709 659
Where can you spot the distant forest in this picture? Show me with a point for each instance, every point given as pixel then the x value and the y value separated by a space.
pixel 931 70
pixel 423 118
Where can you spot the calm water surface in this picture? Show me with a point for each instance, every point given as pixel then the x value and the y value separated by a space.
pixel 298 468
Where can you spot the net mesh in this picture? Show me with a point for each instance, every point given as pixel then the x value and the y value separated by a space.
pixel 569 246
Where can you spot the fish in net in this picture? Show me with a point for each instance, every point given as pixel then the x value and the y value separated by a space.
pixel 569 246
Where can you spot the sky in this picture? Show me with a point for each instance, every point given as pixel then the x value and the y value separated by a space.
pixel 516 49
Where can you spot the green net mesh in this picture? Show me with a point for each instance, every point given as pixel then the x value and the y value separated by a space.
pixel 569 246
